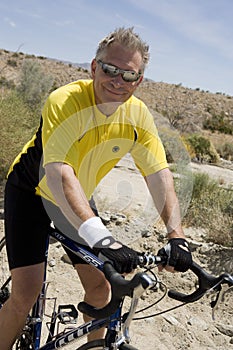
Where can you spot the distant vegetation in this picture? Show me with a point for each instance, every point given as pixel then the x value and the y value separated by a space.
pixel 17 123
pixel 34 84
pixel 20 111
pixel 201 148
pixel 219 122
pixel 225 150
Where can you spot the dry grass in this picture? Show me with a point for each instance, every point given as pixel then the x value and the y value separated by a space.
pixel 211 208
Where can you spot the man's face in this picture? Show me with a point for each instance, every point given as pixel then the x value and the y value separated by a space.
pixel 115 89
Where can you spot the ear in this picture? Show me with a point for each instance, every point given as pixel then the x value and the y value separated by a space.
pixel 93 68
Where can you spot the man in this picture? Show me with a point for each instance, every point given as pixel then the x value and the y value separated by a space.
pixel 86 128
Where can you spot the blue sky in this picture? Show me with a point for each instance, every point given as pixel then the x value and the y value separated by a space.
pixel 191 41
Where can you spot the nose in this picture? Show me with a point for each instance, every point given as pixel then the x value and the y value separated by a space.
pixel 118 81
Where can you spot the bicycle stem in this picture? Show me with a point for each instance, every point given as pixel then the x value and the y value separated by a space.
pixel 138 292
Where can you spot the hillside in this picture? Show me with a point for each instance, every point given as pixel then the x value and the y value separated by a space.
pixel 193 105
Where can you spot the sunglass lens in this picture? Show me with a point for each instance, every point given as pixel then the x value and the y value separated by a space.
pixel 110 70
pixel 130 76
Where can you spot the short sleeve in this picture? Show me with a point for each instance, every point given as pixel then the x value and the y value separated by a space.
pixel 148 152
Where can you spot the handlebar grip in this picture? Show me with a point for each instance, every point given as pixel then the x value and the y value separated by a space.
pixel 119 287
pixel 205 281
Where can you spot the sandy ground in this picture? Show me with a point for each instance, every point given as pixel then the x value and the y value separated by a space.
pixel 123 193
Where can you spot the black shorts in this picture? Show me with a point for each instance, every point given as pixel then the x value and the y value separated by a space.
pixel 27 226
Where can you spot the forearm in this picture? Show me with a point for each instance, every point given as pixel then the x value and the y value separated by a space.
pixel 68 193
pixel 161 187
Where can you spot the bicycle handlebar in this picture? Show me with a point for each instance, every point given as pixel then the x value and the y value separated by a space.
pixel 205 282
pixel 121 287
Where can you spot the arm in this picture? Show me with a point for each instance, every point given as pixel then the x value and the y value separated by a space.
pixel 162 190
pixel 68 193
pixel 163 193
pixel 71 199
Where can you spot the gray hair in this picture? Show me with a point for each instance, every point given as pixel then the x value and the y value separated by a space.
pixel 125 37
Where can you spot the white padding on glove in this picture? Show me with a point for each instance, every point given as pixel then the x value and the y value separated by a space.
pixel 93 230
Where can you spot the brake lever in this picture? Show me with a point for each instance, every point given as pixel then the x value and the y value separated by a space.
pixel 206 283
pixel 220 296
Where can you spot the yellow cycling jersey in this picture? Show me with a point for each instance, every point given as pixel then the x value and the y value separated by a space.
pixel 73 130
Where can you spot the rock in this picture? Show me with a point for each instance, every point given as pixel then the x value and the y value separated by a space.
pixel 146 233
pixel 106 218
pixel 172 320
pixel 193 245
pixel 197 322
pixel 66 259
pixel 205 248
pixel 113 217
pixel 121 218
pixel 225 329
pixel 52 262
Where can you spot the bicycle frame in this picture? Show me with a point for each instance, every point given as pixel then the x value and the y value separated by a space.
pixel 116 323
pixel 60 340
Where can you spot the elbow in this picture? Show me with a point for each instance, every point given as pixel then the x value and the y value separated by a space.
pixel 57 174
pixel 53 173
pixel 163 176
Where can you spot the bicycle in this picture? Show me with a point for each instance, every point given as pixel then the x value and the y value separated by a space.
pixel 111 316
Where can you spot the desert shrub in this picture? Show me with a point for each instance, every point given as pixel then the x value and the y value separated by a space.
pixel 202 148
pixel 219 122
pixel 17 124
pixel 4 82
pixel 211 208
pixel 34 83
pixel 12 63
pixel 20 110
pixel 15 54
pixel 229 208
pixel 226 151
pixel 190 149
pixel 176 151
pixel 29 56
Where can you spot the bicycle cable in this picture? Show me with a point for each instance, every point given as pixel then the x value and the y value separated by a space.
pixel 156 302
pixel 159 313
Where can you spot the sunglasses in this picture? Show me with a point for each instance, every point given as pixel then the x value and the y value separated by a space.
pixel 113 71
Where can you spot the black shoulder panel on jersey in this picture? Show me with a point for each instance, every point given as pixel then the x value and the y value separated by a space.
pixel 26 173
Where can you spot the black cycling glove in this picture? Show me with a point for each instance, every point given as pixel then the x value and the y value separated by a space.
pixel 98 237
pixel 177 254
pixel 124 259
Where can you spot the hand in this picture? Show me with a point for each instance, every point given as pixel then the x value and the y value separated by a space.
pixel 177 254
pixel 101 240
pixel 123 258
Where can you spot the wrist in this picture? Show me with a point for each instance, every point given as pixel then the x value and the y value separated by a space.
pixel 176 234
pixel 95 233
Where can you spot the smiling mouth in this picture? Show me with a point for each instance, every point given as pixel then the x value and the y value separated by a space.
pixel 116 92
